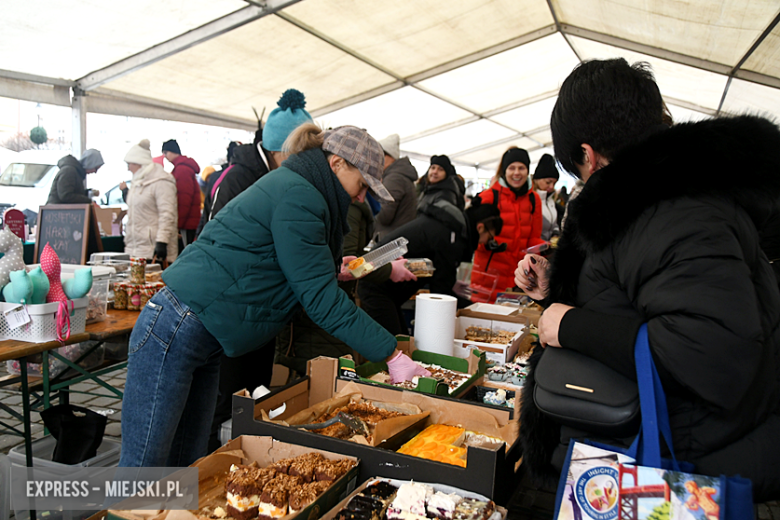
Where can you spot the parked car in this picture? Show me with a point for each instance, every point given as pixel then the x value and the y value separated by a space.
pixel 27 185
pixel 113 197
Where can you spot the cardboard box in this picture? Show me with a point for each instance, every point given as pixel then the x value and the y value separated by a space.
pixel 110 220
pixel 499 514
pixel 384 432
pixel 496 353
pixel 213 468
pixel 489 471
pixel 469 363
pixel 489 311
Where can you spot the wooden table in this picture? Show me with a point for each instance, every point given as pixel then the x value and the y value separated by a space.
pixel 117 323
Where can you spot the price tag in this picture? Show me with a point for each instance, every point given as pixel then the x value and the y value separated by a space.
pixel 17 317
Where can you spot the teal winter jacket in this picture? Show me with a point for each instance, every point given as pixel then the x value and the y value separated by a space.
pixel 263 256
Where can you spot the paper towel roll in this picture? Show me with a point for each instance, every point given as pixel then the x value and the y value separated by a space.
pixel 434 323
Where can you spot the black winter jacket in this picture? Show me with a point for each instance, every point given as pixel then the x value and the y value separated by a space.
pixel 247 168
pixel 444 202
pixel 683 255
pixel 68 185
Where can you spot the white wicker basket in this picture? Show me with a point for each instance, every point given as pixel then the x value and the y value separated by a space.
pixel 43 324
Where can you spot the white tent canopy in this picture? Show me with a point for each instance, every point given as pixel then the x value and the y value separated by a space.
pixel 467 78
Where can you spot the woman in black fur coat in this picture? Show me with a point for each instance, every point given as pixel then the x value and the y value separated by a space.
pixel 682 255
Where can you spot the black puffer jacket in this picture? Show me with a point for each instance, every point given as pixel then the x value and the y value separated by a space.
pixel 247 168
pixel 444 202
pixel 683 255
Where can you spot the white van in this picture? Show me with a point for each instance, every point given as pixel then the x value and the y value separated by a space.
pixel 26 182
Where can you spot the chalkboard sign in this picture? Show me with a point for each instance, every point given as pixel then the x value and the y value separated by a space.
pixel 70 229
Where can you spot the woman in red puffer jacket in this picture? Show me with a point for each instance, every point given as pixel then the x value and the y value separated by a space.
pixel 521 211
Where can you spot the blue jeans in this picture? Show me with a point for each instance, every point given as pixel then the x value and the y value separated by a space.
pixel 172 385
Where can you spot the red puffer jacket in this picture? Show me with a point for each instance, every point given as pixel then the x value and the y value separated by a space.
pixel 522 216
pixel 188 191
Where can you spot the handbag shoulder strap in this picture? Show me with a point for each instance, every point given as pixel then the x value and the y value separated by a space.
pixel 646 448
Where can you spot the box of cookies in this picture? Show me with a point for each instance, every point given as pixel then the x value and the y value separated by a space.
pixel 251 477
pixel 486 468
pixel 450 376
pixel 498 339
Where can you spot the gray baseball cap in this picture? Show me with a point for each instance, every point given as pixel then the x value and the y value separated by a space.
pixel 363 151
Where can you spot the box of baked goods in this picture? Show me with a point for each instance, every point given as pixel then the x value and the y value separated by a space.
pixel 450 376
pixel 404 499
pixel 261 476
pixel 498 339
pixel 516 307
pixel 485 446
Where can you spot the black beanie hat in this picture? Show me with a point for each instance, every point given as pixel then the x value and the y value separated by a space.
pixel 444 162
pixel 171 146
pixel 546 168
pixel 514 155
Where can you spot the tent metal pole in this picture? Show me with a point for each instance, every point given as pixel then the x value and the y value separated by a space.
pixel 79 122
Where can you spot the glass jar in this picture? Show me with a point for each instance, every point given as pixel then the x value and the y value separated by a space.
pixel 138 270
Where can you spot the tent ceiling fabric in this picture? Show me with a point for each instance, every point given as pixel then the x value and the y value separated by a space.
pixel 71 39
pixel 721 32
pixel 411 36
pixel 467 78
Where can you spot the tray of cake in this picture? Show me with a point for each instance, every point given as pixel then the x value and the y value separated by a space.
pixel 379 422
pixel 260 477
pixel 450 376
pixel 500 340
pixel 489 450
pixel 391 499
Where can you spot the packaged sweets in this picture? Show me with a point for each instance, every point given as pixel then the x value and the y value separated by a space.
pixel 120 295
pixel 138 270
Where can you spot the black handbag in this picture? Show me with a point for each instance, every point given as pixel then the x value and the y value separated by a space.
pixel 578 391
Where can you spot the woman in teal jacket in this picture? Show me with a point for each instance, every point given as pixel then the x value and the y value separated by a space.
pixel 274 248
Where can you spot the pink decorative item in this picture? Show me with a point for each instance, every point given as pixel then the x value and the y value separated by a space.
pixel 50 263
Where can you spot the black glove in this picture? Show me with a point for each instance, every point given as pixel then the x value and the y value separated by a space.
pixel 161 251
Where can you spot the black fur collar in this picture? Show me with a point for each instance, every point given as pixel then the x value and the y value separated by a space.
pixel 733 156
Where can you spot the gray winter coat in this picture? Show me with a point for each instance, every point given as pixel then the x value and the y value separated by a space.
pixel 399 180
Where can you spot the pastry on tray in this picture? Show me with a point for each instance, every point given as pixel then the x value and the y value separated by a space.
pixel 288 485
pixel 369 504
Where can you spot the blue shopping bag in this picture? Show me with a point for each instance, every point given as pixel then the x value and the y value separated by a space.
pixel 600 482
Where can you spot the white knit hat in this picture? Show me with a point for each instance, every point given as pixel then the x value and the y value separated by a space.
pixel 140 153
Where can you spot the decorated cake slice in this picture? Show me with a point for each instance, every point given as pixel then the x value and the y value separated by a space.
pixel 473 509
pixel 409 502
pixel 442 505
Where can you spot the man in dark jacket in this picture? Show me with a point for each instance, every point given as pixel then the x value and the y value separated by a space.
pixel 188 192
pixel 399 179
pixel 446 242
pixel 682 255
pixel 69 186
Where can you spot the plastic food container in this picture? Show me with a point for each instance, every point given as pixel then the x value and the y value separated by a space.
pixel 378 257
pixel 420 267
pixel 97 308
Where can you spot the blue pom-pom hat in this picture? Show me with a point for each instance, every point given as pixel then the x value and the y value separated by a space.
pixel 283 120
